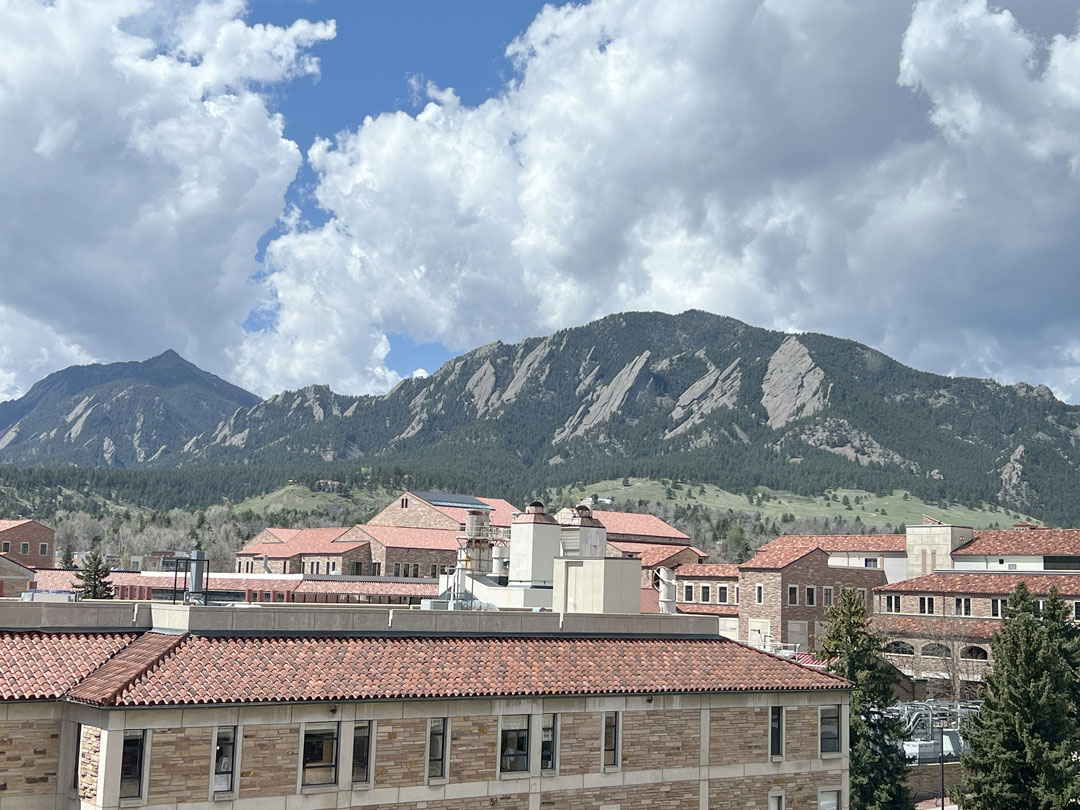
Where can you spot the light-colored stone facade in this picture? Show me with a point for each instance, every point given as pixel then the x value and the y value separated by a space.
pixel 409 511
pixel 30 757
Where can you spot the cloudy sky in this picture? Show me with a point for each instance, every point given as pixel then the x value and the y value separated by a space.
pixel 338 192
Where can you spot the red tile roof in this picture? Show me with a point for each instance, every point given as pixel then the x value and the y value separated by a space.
pixel 103 685
pixel 11 524
pixel 650 600
pixel 708 571
pixel 284 543
pixel 776 558
pixel 978 583
pixel 252 670
pixel 370 587
pixel 1022 542
pixel 45 665
pixel 55 579
pixel 501 514
pixel 873 543
pixel 710 610
pixel 652 554
pixel 640 525
pixel 404 537
pixel 930 627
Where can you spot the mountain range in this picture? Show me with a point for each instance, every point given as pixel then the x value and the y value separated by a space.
pixel 692 397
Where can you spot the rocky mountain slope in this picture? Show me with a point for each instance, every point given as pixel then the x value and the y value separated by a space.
pixel 693 396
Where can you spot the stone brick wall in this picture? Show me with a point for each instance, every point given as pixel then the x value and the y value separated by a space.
pixel 423 557
pixel 801 732
pixel 513 801
pixel 925 780
pixel 179 764
pixel 269 759
pixel 399 752
pixel 337 563
pixel 33 534
pixel 417 515
pixel 13 586
pixel 750 793
pixel 749 727
pixel 769 608
pixel 29 757
pixel 814 570
pixel 579 742
pixel 713 585
pixel 89 760
pixel 474 748
pixel 662 796
pixel 656 739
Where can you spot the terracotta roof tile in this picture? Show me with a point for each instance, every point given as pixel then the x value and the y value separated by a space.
pixel 650 600
pixel 956 627
pixel 652 554
pixel 985 584
pixel 370 587
pixel 776 558
pixel 405 537
pixel 1033 542
pixel 709 610
pixel 251 670
pixel 55 579
pixel 105 683
pixel 642 525
pixel 501 514
pixel 11 524
pixel 707 570
pixel 291 542
pixel 36 665
pixel 841 542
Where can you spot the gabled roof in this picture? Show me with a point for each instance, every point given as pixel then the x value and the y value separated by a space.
pixel 870 543
pixel 707 571
pixel 11 524
pixel 652 554
pixel 639 525
pixel 285 543
pixel 500 513
pixel 40 666
pixel 406 537
pixel 254 670
pixel 777 558
pixel 105 683
pixel 981 583
pixel 1022 542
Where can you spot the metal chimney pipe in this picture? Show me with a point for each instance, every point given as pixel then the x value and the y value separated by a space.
pixel 667 590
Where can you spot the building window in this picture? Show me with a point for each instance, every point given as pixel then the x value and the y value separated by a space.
pixel 361 751
pixel 416 570
pixel 6 547
pixel 436 761
pixel 320 754
pixel 828 800
pixel 78 757
pixel 793 594
pixel 722 594
pixel 404 503
pixel 376 569
pixel 1076 611
pixel 811 596
pixel 829 720
pixel 963 606
pixel 926 604
pixel 1037 607
pixel 995 607
pixel 24 548
pixel 688 593
pixel 333 566
pixel 870 562
pixel 776 731
pixel 826 596
pixel 224 758
pixel 736 594
pixel 131 764
pixel 776 801
pixel 514 744
pixel 397 569
pixel 892 603
pixel 611 739
pixel 548 736
pixel 899 648
pixel 434 571
pixel 706 596
pixel 43 550
pixel 759 594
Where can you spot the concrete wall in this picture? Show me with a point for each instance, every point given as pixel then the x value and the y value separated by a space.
pixel 597 585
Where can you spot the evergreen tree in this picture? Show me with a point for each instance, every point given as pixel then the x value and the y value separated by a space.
pixel 67 557
pixel 94 577
pixel 878 767
pixel 1021 744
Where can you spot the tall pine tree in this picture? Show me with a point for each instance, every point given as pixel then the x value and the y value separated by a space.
pixel 1021 745
pixel 94 577
pixel 878 768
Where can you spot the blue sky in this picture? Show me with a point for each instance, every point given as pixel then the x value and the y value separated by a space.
pixel 366 71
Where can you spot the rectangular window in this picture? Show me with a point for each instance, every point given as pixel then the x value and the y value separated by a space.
pixel 826 596
pixel 376 569
pixel 995 607
pixel 434 571
pixel 830 729
pixel 706 596
pixel 43 550
pixel 548 737
pixel 963 606
pixel 722 594
pixel 224 758
pixel 78 757
pixel 892 603
pixel 514 744
pixel 436 761
pixel 870 562
pixel 24 548
pixel 6 547
pixel 688 593
pixel 759 594
pixel 1037 605
pixel 736 594
pixel 397 569
pixel 776 731
pixel 811 596
pixel 776 802
pixel 333 566
pixel 320 754
pixel 361 751
pixel 828 800
pixel 131 764
pixel 404 503
pixel 416 570
pixel 793 594
pixel 926 604
pixel 611 739
pixel 1076 611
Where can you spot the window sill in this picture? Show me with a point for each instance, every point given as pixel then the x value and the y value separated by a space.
pixel 776 759
pixel 437 782
pixel 306 789
pixel 223 795
pixel 133 802
pixel 512 775
pixel 831 754
pixel 361 785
